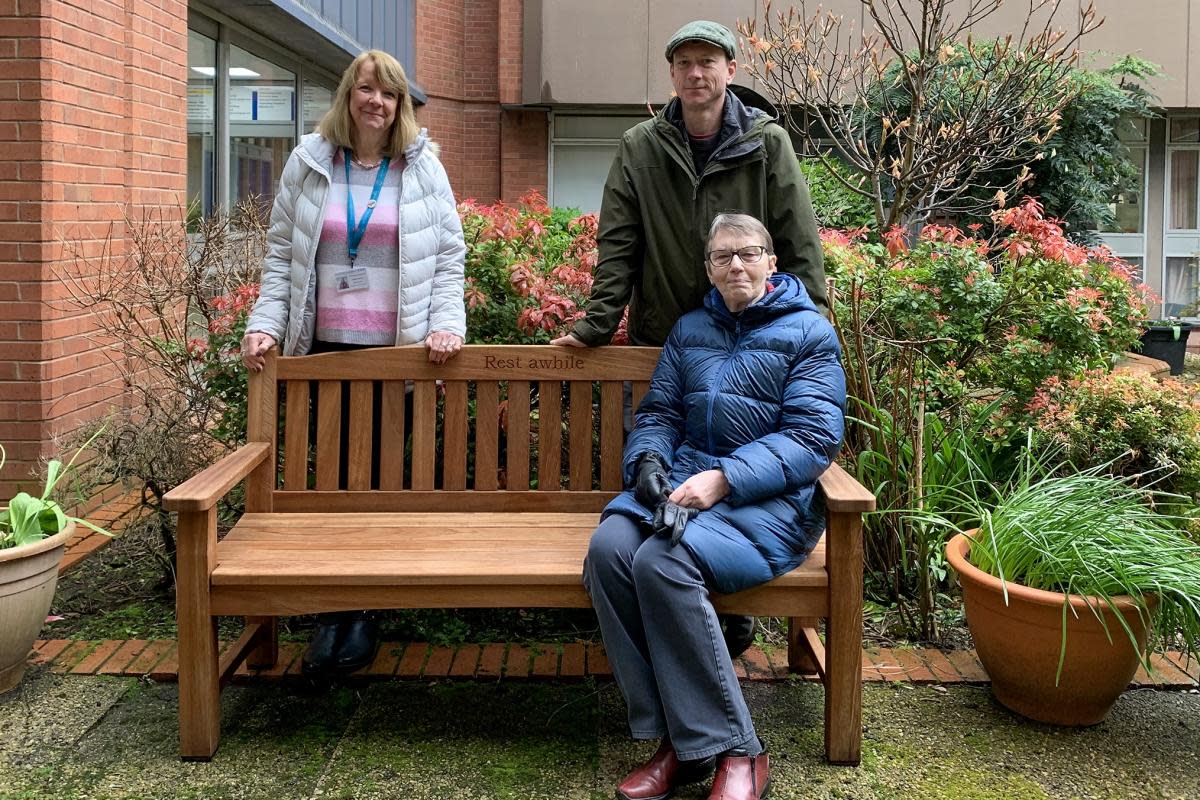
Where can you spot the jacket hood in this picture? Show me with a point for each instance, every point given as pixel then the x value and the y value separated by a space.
pixel 320 150
pixel 785 295
pixel 745 114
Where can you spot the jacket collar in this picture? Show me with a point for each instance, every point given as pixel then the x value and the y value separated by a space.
pixel 318 151
pixel 744 114
pixel 785 294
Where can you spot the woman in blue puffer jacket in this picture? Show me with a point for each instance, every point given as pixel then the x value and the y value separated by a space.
pixel 744 413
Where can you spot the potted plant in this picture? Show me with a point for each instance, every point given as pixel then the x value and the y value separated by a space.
pixel 1066 582
pixel 34 531
pixel 1166 340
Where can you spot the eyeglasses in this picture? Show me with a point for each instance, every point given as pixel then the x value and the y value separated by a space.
pixel 748 255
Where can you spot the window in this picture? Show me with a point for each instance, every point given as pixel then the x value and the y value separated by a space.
pixel 1127 207
pixel 262 124
pixel 581 151
pixel 201 124
pixel 243 124
pixel 1181 287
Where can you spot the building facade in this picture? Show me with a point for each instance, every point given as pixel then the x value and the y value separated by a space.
pixel 116 108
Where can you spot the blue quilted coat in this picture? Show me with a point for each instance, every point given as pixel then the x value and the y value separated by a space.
pixel 761 396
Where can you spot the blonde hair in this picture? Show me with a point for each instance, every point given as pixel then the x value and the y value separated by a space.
pixel 337 126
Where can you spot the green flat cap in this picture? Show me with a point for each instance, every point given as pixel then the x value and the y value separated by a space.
pixel 702 30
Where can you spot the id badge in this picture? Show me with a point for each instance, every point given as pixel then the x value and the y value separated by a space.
pixel 351 280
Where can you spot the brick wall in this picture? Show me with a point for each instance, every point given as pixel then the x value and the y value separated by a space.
pixel 92 109
pixel 468 61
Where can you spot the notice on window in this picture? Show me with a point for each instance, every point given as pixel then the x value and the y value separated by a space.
pixel 262 103
pixel 200 104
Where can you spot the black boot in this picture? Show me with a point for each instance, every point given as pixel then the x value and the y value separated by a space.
pixel 359 641
pixel 321 656
pixel 739 633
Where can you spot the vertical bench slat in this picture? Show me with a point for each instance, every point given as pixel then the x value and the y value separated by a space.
pixel 612 435
pixel 639 391
pixel 391 437
pixel 487 434
pixel 295 434
pixel 454 436
pixel 517 460
pixel 262 425
pixel 362 414
pixel 424 422
pixel 329 433
pixel 549 436
pixel 581 436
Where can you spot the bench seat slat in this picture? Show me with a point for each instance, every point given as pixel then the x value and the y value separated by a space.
pixel 448 549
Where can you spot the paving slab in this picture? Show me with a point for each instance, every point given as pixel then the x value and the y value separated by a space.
pixel 65 737
pixel 468 740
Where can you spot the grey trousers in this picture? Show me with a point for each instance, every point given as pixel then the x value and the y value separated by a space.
pixel 664 642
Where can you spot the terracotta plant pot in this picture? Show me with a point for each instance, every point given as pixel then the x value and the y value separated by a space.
pixel 1019 645
pixel 28 576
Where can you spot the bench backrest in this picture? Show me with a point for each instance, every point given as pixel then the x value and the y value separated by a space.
pixel 495 428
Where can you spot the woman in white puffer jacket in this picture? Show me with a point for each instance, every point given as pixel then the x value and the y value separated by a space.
pixel 364 249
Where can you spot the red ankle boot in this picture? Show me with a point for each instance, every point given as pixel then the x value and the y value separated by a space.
pixel 659 777
pixel 741 777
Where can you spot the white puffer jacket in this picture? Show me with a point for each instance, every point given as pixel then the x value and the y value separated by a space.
pixel 431 249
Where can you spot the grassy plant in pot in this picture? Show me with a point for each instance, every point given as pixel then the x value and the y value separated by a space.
pixel 33 534
pixel 1067 583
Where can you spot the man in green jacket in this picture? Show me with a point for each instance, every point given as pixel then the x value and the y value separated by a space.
pixel 713 148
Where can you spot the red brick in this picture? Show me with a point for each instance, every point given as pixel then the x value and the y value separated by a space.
pixel 123 657
pixel 885 664
pixel 545 661
pixel 465 660
pixel 573 657
pixel 491 661
pixel 517 664
pixel 47 650
pixel 757 666
pixel 438 664
pixel 413 660
pixel 168 668
pixel 967 663
pixel 386 659
pixel 149 657
pixel 941 667
pixel 289 653
pixel 778 657
pixel 1190 667
pixel 71 656
pixel 597 661
pixel 915 668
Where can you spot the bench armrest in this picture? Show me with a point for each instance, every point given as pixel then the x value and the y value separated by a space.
pixel 843 492
pixel 202 491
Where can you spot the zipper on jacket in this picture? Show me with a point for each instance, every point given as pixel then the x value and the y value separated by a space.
pixel 720 379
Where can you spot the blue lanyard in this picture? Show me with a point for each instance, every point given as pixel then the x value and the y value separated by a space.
pixel 354 233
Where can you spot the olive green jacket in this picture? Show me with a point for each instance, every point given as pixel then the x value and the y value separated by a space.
pixel 656 212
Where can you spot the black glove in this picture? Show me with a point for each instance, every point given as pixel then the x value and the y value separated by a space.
pixel 670 519
pixel 652 487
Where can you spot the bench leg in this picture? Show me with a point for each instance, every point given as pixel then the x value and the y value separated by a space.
pixel 843 640
pixel 800 660
pixel 266 653
pixel 199 679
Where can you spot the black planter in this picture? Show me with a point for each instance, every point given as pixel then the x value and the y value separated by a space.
pixel 1167 343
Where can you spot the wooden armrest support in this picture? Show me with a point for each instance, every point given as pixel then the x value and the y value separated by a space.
pixel 843 492
pixel 202 491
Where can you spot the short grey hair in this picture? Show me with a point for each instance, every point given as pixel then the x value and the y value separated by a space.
pixel 740 223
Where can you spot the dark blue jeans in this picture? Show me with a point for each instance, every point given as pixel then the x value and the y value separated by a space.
pixel 664 642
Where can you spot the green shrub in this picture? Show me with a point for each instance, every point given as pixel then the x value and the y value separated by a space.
pixel 835 205
pixel 1136 426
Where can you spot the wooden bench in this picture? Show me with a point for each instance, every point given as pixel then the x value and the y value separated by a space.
pixel 497 514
